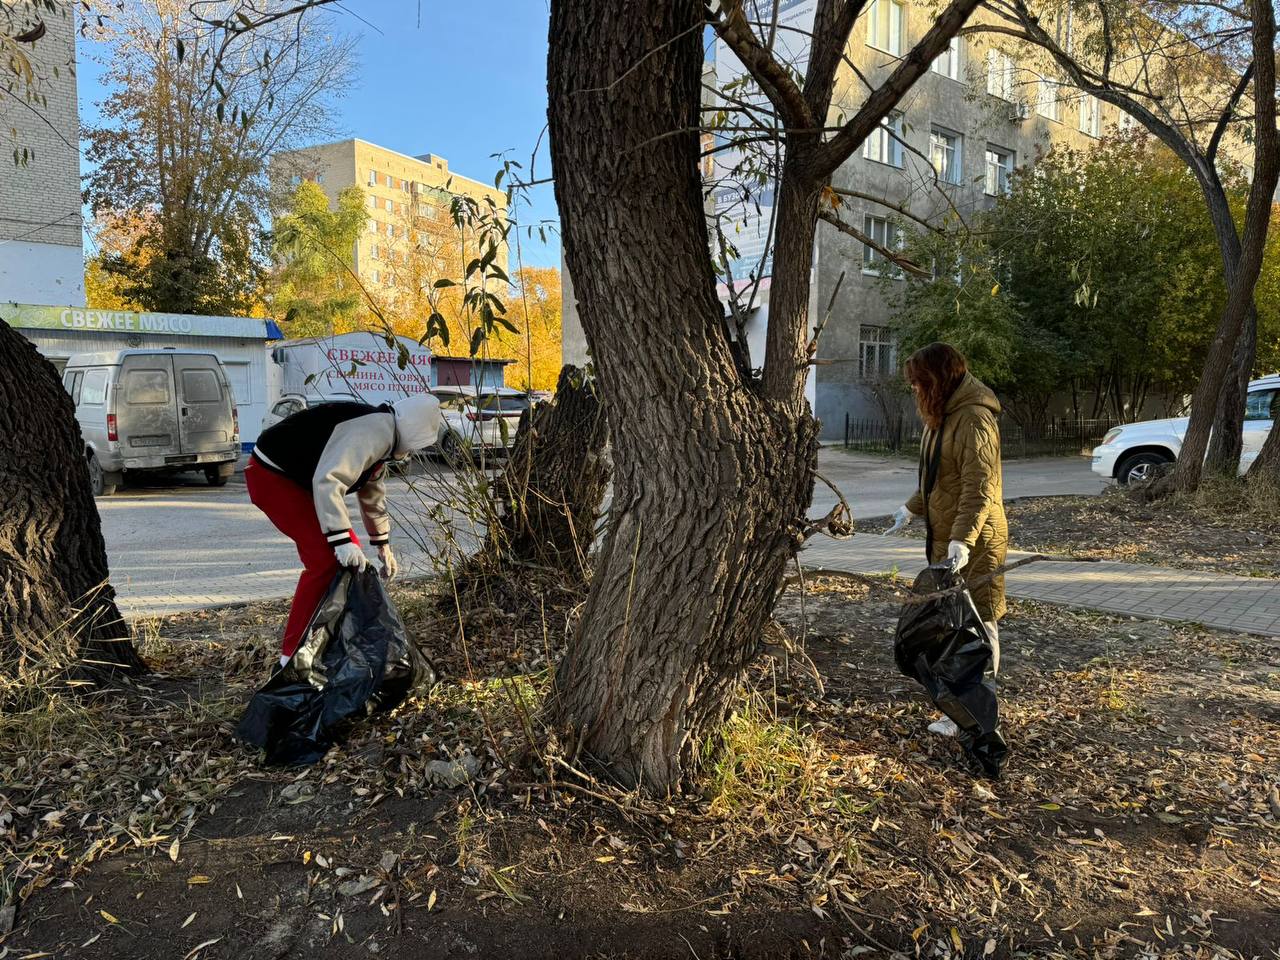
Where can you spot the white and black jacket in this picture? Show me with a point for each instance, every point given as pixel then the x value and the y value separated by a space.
pixel 333 449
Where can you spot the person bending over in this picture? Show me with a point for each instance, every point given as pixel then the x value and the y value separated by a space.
pixel 301 471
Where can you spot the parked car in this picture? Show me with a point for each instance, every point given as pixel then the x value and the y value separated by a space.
pixel 483 420
pixel 291 403
pixel 157 411
pixel 1133 452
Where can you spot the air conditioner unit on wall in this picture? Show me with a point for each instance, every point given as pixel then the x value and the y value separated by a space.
pixel 1019 111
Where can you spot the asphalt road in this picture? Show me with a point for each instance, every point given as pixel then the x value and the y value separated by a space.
pixel 189 546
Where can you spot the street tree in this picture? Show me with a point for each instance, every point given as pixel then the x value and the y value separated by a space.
pixel 535 307
pixel 315 291
pixel 189 150
pixel 713 466
pixel 1193 74
pixel 58 615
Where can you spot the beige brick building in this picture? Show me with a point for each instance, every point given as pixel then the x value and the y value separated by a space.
pixel 408 197
pixel 41 238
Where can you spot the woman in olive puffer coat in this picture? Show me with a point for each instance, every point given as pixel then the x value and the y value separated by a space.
pixel 966 503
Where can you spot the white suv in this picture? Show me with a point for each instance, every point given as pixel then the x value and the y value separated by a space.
pixel 1131 453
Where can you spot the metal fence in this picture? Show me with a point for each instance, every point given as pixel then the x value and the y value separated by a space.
pixel 1059 437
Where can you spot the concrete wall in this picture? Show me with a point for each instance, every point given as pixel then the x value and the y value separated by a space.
pixel 45 273
pixel 962 106
pixel 573 340
pixel 41 259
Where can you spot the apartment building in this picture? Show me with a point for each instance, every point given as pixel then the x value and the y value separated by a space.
pixel 948 151
pixel 409 201
pixel 41 237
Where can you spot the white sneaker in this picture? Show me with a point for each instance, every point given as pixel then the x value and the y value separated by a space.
pixel 946 727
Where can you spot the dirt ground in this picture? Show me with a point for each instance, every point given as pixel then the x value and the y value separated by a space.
pixel 1234 536
pixel 1138 816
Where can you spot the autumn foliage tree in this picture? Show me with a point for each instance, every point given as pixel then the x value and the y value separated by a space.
pixel 535 309
pixel 187 151
pixel 315 291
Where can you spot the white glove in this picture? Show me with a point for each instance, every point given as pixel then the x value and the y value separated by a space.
pixel 957 555
pixel 349 555
pixel 389 566
pixel 901 518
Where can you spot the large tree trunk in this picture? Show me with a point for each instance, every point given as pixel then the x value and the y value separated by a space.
pixel 1267 463
pixel 710 479
pixel 56 601
pixel 555 480
pixel 1226 442
pixel 1204 402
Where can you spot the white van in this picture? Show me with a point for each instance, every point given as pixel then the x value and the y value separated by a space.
pixel 159 411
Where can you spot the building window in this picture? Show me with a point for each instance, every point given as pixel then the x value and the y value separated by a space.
pixel 885 143
pixel 377 276
pixel 885 234
pixel 945 154
pixel 1047 98
pixel 886 25
pixel 373 178
pixel 1090 115
pixel 999 169
pixel 875 352
pixel 320 178
pixel 948 63
pixel 1000 70
pixel 391 230
pixel 376 252
pixel 1064 29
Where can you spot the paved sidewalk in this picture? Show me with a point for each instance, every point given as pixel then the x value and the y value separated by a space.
pixel 1244 604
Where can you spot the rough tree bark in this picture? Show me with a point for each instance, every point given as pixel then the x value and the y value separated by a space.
pixel 706 473
pixel 54 583
pixel 713 471
pixel 1267 463
pixel 1226 441
pixel 555 481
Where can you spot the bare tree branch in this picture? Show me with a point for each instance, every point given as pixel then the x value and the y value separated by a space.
pixel 1224 121
pixel 893 256
pixel 882 100
pixel 733 28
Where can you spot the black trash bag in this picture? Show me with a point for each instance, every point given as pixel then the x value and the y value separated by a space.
pixel 354 660
pixel 943 644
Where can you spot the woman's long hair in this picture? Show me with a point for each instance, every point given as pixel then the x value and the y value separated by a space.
pixel 936 371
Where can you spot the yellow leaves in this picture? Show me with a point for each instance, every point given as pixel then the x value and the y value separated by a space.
pixel 173 850
pixel 198 880
pixel 107 917
pixel 431 901
pixel 956 941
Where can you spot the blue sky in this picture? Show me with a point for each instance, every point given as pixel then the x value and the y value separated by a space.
pixel 468 82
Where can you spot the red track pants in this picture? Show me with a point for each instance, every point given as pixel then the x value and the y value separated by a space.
pixel 290 508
